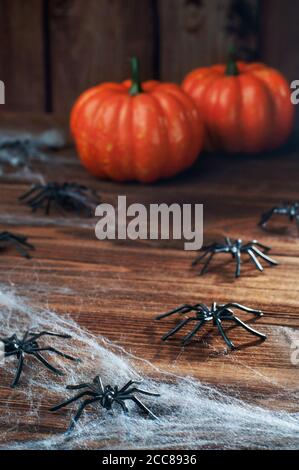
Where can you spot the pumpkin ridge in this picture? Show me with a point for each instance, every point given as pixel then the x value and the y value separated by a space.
pixel 211 139
pixel 167 159
pixel 281 104
pixel 185 130
pixel 148 138
pixel 267 119
pixel 196 130
pixel 108 117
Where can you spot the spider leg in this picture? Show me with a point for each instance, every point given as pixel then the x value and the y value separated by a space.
pixel 122 404
pixel 229 343
pixel 182 309
pixel 48 333
pixel 193 332
pixel 99 382
pixel 201 257
pixel 177 328
pixel 142 406
pixel 48 203
pixel 238 262
pixel 4 235
pixel 46 363
pixel 131 382
pixel 79 412
pixel 21 249
pixel 80 203
pixel 48 206
pixel 77 387
pixel 206 265
pixel 60 206
pixel 23 242
pixel 262 255
pixel 34 188
pixel 38 200
pixel 19 371
pixel 255 260
pixel 25 336
pixel 242 307
pixel 50 349
pixel 11 353
pixel 33 196
pixel 144 392
pixel 266 216
pixel 246 327
pixel 67 402
pixel 263 247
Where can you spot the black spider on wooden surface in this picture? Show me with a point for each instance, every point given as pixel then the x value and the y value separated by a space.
pixel 106 397
pixel 13 346
pixel 217 313
pixel 70 197
pixel 288 209
pixel 235 248
pixel 18 241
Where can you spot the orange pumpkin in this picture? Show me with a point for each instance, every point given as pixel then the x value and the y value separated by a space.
pixel 134 131
pixel 245 107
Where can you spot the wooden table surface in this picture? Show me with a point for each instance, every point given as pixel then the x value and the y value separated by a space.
pixel 122 285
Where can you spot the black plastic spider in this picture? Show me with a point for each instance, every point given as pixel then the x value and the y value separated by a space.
pixel 216 314
pixel 13 346
pixel 72 197
pixel 291 210
pixel 236 248
pixel 18 241
pixel 106 396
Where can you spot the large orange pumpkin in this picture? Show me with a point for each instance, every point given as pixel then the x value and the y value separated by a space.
pixel 245 107
pixel 134 131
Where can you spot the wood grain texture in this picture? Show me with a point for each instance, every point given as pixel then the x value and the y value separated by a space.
pixel 148 277
pixel 196 33
pixel 92 42
pixel 51 50
pixel 21 54
pixel 280 36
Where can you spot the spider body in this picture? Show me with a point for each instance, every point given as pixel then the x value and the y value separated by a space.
pixel 235 248
pixel 106 397
pixel 216 314
pixel 290 210
pixel 18 241
pixel 28 345
pixel 71 197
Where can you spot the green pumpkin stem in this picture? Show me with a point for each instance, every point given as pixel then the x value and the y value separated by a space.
pixel 136 87
pixel 232 68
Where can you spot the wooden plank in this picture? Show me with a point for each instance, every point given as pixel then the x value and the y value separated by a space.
pixel 21 55
pixel 280 36
pixel 196 33
pixel 92 42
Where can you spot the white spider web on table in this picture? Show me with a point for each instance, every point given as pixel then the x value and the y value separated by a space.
pixel 20 150
pixel 191 414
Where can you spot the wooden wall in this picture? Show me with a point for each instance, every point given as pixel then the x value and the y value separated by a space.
pixel 51 50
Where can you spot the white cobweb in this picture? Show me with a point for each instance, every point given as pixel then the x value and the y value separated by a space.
pixel 191 415
pixel 20 151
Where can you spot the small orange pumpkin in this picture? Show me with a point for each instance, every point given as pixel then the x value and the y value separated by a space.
pixel 245 107
pixel 134 131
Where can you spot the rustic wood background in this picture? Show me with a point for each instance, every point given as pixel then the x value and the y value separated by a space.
pixel 51 50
